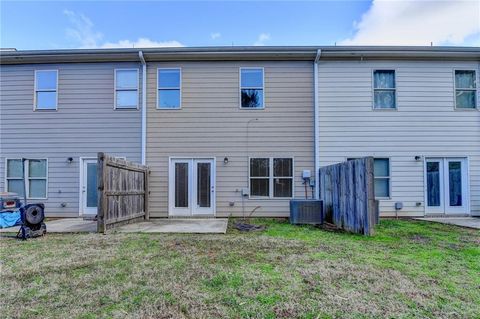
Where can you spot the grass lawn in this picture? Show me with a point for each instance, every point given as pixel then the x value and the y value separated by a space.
pixel 408 269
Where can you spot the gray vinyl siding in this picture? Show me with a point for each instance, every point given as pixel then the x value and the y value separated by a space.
pixel 425 123
pixel 84 124
pixel 211 124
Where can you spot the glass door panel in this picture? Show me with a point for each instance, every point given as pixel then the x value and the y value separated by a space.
pixel 204 186
pixel 181 184
pixel 434 180
pixel 92 193
pixel 89 189
pixel 455 186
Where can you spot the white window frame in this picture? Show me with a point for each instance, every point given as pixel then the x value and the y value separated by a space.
pixel 252 88
pixel 379 89
pixel 169 88
pixel 26 177
pixel 389 177
pixel 115 89
pixel 35 90
pixel 270 177
pixel 476 108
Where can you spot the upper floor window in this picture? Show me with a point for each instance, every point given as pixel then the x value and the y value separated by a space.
pixel 46 87
pixel 384 89
pixel 169 88
pixel 465 89
pixel 126 88
pixel 35 176
pixel 251 88
pixel 271 177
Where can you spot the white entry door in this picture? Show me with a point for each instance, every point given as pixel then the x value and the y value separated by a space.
pixel 446 186
pixel 88 187
pixel 191 187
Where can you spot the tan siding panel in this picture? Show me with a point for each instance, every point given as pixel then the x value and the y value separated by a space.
pixel 211 124
pixel 424 124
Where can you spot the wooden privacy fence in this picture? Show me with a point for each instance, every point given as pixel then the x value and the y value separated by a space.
pixel 122 192
pixel 347 191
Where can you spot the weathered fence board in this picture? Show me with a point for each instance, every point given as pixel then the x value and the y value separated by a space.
pixel 347 191
pixel 122 192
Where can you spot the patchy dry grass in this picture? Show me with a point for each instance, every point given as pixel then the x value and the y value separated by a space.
pixel 409 269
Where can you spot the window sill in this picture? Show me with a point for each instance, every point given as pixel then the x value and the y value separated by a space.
pixel 45 110
pixel 252 108
pixel 126 108
pixel 168 109
pixel 385 109
pixel 270 198
pixel 461 109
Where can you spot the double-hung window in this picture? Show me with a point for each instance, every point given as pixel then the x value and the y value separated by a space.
pixel 251 88
pixel 271 177
pixel 46 89
pixel 35 177
pixel 381 173
pixel 169 88
pixel 126 88
pixel 384 89
pixel 465 89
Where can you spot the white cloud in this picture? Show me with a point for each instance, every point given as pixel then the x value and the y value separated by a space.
pixel 82 30
pixel 417 23
pixel 142 43
pixel 215 35
pixel 83 33
pixel 262 37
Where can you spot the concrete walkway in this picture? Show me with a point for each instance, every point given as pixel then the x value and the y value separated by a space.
pixel 469 222
pixel 64 225
pixel 187 225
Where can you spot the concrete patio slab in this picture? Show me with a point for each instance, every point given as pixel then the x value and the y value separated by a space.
pixel 187 225
pixel 469 222
pixel 64 225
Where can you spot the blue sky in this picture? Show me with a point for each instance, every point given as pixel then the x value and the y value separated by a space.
pixel 53 25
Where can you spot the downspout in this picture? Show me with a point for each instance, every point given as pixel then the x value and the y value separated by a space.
pixel 315 124
pixel 144 107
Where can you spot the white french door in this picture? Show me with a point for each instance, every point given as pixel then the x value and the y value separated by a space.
pixel 446 186
pixel 88 186
pixel 191 186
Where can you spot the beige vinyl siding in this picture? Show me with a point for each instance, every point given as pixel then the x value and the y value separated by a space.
pixel 211 124
pixel 425 123
pixel 84 124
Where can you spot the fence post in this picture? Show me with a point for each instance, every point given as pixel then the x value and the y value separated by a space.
pixel 101 194
pixel 146 194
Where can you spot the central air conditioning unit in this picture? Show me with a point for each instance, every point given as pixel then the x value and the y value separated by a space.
pixel 306 211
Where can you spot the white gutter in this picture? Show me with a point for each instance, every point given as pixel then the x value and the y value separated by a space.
pixel 315 123
pixel 144 106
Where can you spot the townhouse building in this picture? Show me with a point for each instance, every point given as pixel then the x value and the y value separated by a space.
pixel 229 131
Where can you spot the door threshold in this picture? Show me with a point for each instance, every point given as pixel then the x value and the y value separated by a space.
pixel 446 215
pixel 89 217
pixel 192 217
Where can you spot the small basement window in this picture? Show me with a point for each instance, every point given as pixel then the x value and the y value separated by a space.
pixel 465 89
pixel 251 88
pixel 126 88
pixel 46 89
pixel 384 89
pixel 169 88
pixel 35 177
